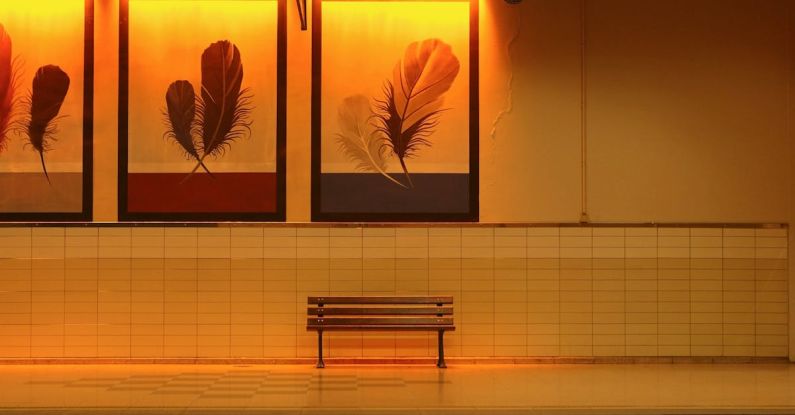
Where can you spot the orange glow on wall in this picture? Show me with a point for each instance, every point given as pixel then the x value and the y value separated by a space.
pixel 27 7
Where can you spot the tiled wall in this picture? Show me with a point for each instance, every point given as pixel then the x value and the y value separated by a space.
pixel 519 291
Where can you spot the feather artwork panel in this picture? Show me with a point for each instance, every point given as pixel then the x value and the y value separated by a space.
pixel 46 108
pixel 7 86
pixel 203 138
pixel 395 111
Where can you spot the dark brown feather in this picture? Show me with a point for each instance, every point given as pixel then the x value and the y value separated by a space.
pixel 180 115
pixel 181 118
pixel 50 86
pixel 224 107
pixel 412 102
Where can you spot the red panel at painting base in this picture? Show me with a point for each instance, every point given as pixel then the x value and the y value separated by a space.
pixel 201 193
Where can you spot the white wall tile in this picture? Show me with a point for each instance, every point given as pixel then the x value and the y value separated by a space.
pixel 543 241
pixel 48 231
pixel 313 242
pixel 608 241
pixel 739 241
pixel 771 242
pixel 510 252
pixel 477 232
pixel 510 231
pixel 773 232
pixel 673 241
pixel 15 231
pixel 771 253
pixel 640 231
pixel 444 252
pixel 286 231
pixel 576 241
pixel 666 231
pixel 388 232
pixel 444 241
pixel 736 252
pixel 345 252
pixel 600 252
pixel 411 252
pixel 543 231
pixel 608 231
pixel 640 241
pixel 715 232
pixel 576 231
pixel 519 290
pixel 580 252
pixel 698 252
pixel 312 232
pixel 346 232
pixel 666 252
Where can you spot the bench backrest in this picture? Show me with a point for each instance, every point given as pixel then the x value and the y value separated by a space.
pixel 433 312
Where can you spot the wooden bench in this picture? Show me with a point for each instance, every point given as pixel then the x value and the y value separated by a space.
pixel 380 314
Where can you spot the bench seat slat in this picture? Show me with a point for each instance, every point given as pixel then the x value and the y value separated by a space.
pixel 382 328
pixel 378 311
pixel 379 321
pixel 380 300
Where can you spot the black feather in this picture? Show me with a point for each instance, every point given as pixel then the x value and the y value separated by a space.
pixel 50 85
pixel 180 117
pixel 224 109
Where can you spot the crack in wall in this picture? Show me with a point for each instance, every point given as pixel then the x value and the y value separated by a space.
pixel 507 109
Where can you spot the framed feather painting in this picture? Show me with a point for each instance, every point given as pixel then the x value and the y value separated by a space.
pixel 46 98
pixel 202 110
pixel 395 110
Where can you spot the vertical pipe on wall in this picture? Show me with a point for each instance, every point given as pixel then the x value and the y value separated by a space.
pixel 583 118
pixel 791 136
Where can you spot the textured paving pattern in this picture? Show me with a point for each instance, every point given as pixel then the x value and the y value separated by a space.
pixel 237 384
pixel 398 389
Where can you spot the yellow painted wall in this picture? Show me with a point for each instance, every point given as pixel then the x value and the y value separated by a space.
pixel 687 110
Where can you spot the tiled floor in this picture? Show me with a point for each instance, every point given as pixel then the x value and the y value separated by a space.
pixel 461 389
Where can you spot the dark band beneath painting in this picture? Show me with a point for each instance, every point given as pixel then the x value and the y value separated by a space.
pixel 31 192
pixel 366 192
pixel 201 193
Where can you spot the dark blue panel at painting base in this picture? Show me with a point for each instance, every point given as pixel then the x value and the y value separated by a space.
pixel 372 193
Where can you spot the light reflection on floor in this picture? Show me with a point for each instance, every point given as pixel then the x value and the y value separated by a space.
pixel 460 389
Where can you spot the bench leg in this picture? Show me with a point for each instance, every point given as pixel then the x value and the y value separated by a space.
pixel 440 363
pixel 320 363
